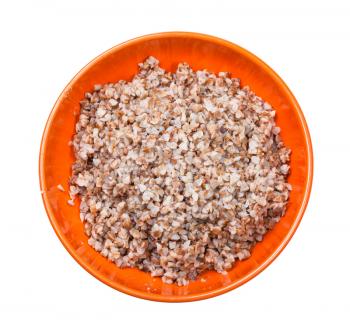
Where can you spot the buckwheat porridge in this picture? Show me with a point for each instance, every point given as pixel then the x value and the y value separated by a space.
pixel 178 173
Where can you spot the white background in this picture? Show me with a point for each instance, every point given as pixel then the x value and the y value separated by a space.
pixel 44 43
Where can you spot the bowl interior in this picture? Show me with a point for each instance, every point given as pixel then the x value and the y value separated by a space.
pixel 120 62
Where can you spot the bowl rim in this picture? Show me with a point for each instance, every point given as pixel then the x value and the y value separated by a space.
pixel 198 296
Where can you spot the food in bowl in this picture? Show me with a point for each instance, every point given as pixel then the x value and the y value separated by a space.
pixel 178 173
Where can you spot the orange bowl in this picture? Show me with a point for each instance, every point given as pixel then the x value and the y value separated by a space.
pixel 120 62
